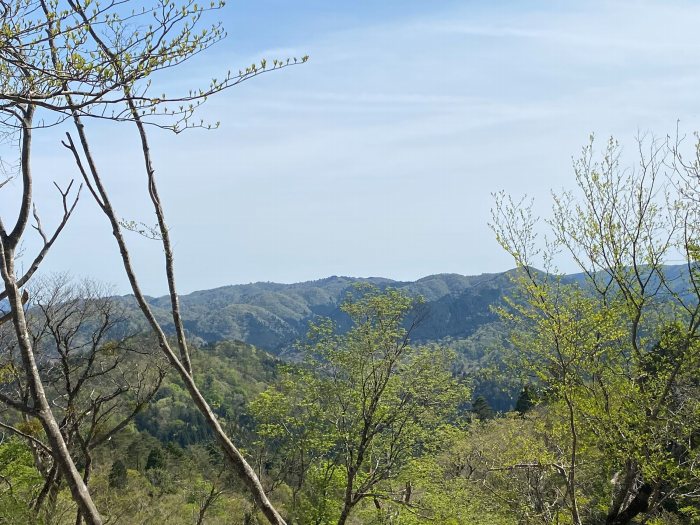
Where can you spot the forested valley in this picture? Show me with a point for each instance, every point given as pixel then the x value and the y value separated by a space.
pixel 563 391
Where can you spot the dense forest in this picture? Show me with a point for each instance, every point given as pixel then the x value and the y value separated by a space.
pixel 536 396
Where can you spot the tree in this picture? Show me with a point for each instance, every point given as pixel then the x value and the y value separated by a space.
pixel 72 61
pixel 616 351
pixel 21 117
pixel 117 475
pixel 19 479
pixel 481 408
pixel 365 402
pixel 503 470
pixel 155 459
pixel 526 400
pixel 96 387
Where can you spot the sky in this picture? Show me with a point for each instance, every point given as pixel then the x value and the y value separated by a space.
pixel 379 156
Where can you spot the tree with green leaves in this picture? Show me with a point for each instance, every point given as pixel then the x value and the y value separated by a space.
pixel 615 352
pixel 362 405
pixel 72 62
pixel 20 481
pixel 155 459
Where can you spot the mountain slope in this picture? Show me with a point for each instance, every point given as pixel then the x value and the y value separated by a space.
pixel 273 316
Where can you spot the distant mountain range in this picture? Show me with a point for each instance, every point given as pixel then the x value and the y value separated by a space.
pixel 456 312
pixel 273 316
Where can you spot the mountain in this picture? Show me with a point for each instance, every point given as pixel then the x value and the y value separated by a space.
pixel 274 316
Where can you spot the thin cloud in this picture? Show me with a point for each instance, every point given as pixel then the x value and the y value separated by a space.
pixel 408 123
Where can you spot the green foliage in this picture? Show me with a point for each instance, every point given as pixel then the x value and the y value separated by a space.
pixel 481 409
pixel 173 494
pixel 274 316
pixel 19 482
pixel 615 352
pixel 526 400
pixel 362 406
pixel 230 374
pixel 117 474
pixel 156 459
pixel 481 361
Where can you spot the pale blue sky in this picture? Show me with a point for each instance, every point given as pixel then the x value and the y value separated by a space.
pixel 379 156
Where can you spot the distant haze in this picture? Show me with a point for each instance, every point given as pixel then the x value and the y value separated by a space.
pixel 379 156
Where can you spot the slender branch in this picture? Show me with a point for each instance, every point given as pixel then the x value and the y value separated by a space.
pixel 26 436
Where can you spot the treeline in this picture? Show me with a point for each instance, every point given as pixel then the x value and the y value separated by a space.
pixel 357 431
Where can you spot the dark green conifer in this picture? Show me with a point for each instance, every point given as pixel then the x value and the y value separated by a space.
pixel 117 475
pixel 155 459
pixel 481 409
pixel 525 401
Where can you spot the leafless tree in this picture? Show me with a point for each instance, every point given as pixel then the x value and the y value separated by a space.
pixel 95 384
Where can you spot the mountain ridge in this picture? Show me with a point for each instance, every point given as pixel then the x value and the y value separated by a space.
pixel 273 316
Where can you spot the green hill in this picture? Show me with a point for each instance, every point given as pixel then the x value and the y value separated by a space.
pixel 273 316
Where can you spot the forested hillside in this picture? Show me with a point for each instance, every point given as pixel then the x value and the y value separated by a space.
pixel 274 316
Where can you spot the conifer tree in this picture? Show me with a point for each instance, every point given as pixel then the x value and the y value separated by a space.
pixel 481 408
pixel 117 475
pixel 526 400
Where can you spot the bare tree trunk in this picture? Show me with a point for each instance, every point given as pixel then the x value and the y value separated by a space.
pixel 348 502
pixel 623 483
pixel 52 497
pixel 86 479
pixel 345 514
pixel 120 76
pixel 209 500
pixel 571 481
pixel 49 481
pixel 631 498
pixel 638 505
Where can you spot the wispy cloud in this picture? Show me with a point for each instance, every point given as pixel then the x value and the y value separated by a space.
pixel 379 155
